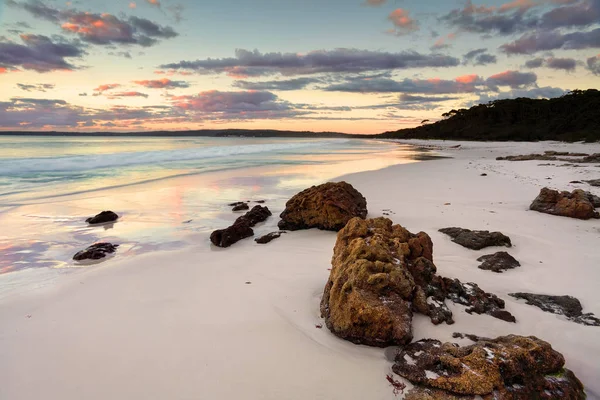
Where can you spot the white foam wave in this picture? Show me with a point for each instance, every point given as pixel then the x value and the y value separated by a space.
pixel 97 161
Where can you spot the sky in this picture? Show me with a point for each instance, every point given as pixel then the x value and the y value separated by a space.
pixel 355 66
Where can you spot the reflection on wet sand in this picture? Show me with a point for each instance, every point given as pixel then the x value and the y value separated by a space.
pixel 168 214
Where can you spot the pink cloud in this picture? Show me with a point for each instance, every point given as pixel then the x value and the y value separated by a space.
pixel 402 21
pixel 163 83
pixel 132 5
pixel 105 87
pixel 468 79
pixel 521 5
pixel 127 94
pixel 154 2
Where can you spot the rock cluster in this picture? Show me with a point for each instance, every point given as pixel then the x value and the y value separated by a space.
pixel 381 274
pixel 476 240
pixel 329 207
pixel 498 262
pixel 241 228
pixel 577 204
pixel 568 306
pixel 95 252
pixel 508 367
pixel 102 218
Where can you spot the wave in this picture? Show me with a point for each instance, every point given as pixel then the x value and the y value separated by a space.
pixel 20 166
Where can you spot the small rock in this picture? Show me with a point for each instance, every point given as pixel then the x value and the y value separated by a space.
pixel 241 207
pixel 593 182
pixel 102 218
pixel 575 182
pixel 237 203
pixel 96 251
pixel 498 262
pixel 568 306
pixel 268 237
pixel 476 240
pixel 483 175
pixel 241 228
pixel 260 201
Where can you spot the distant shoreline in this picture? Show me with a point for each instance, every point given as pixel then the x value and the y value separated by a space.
pixel 195 133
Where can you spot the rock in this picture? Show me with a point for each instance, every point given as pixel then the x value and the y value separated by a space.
pixel 568 306
pixel 506 368
pixel 528 157
pixel 241 228
pixel 476 240
pixel 381 273
pixel 478 301
pixel 268 237
pixel 260 201
pixel 595 200
pixel 96 251
pixel 577 204
pixel 565 153
pixel 241 207
pixel 594 158
pixel 102 218
pixel 575 182
pixel 483 175
pixel 593 182
pixel 498 262
pixel 329 207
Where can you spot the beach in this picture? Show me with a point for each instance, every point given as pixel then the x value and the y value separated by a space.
pixel 186 320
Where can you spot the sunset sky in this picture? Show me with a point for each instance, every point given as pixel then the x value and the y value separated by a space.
pixel 322 65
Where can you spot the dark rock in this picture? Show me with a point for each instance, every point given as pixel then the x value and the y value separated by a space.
pixel 498 262
pixel 381 273
pixel 575 182
pixel 228 236
pixel 593 182
pixel 568 306
pixel 268 237
pixel 528 157
pixel 506 368
pixel 329 207
pixel 483 175
pixel 241 207
pixel 102 218
pixel 241 228
pixel 256 215
pixel 577 204
pixel 565 153
pixel 478 301
pixel 96 251
pixel 237 203
pixel 594 158
pixel 595 200
pixel 260 201
pixel 476 240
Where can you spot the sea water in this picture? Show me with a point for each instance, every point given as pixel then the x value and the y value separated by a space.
pixel 169 192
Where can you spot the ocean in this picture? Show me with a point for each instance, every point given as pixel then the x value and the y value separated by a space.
pixel 169 192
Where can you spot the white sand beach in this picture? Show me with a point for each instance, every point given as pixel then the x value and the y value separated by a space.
pixel 244 323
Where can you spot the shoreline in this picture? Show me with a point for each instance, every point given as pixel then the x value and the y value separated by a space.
pixel 184 324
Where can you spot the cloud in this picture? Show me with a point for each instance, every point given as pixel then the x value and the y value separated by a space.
pixel 124 54
pixel 593 64
pixel 253 63
pixel 119 95
pixel 39 87
pixel 107 86
pixel 163 83
pixel 83 94
pixel 533 93
pixel 567 64
pixel 155 3
pixel 442 42
pixel 513 79
pixel 403 23
pixel 132 5
pixel 548 40
pixel 534 63
pixel 462 84
pixel 479 57
pixel 99 29
pixel 516 16
pixel 39 53
pixel 291 84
